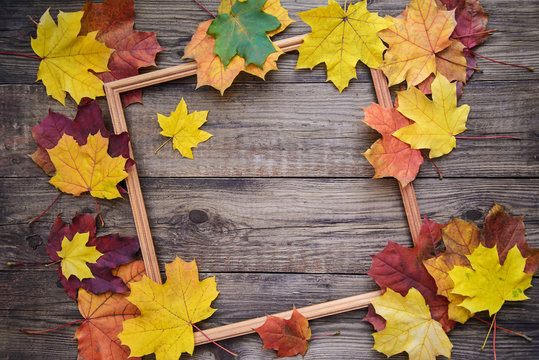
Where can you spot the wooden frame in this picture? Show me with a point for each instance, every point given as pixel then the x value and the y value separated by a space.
pixel 113 91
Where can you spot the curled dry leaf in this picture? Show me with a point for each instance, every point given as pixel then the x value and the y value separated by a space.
pixel 69 61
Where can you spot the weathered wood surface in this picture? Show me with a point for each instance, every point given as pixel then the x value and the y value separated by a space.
pixel 279 204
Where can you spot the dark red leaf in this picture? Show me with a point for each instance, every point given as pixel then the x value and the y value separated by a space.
pixel 116 251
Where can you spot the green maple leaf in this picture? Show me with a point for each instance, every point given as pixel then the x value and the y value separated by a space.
pixel 243 32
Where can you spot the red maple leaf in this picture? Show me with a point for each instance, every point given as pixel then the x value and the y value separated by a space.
pixel 114 21
pixel 115 249
pixel 390 156
pixel 400 269
pixel 288 337
pixel 89 120
pixel 506 231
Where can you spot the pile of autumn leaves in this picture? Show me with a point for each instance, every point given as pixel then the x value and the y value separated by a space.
pixel 453 271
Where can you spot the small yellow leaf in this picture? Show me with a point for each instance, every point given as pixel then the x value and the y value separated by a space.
pixel 75 256
pixel 168 311
pixel 341 39
pixel 487 284
pixel 68 58
pixel 437 121
pixel 87 168
pixel 409 327
pixel 183 128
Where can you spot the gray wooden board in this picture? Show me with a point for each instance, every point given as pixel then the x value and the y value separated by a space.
pixel 278 204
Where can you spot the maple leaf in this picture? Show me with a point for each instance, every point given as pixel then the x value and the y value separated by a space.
pixel 409 327
pixel 66 58
pixel 460 239
pixel 437 121
pixel 183 128
pixel 116 250
pixel 389 156
pixel 487 284
pixel 75 256
pixel 400 268
pixel 211 70
pixel 243 32
pixel 419 45
pixel 168 311
pixel 340 39
pixel 504 231
pixel 89 120
pixel 288 337
pixel 114 21
pixel 87 167
pixel 103 316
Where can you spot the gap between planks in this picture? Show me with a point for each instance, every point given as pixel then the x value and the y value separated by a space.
pixel 113 91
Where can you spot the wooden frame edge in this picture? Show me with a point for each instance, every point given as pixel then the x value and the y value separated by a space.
pixel 113 91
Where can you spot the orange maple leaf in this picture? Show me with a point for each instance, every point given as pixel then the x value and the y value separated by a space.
pixel 87 168
pixel 211 70
pixel 288 337
pixel 419 45
pixel 103 316
pixel 390 156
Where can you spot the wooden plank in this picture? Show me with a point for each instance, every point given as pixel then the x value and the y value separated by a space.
pixel 48 306
pixel 176 21
pixel 298 142
pixel 267 225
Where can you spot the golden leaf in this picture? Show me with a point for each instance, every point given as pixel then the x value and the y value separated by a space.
pixel 75 256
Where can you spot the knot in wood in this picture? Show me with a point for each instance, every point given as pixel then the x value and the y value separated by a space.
pixel 198 216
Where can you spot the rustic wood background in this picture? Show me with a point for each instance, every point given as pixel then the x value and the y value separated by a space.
pixel 279 204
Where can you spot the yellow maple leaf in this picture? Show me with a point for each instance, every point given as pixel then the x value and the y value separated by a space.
pixel 168 311
pixel 66 58
pixel 75 256
pixel 340 39
pixel 487 284
pixel 183 128
pixel 211 70
pixel 87 168
pixel 409 327
pixel 437 121
pixel 419 45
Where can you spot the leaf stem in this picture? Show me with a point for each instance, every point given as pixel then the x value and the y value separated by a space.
pixel 325 335
pixel 56 328
pixel 504 329
pixel 207 337
pixel 9 263
pixel 455 63
pixel 202 6
pixel 474 34
pixel 501 62
pixel 494 337
pixel 32 20
pixel 99 212
pixel 345 3
pixel 17 54
pixel 47 209
pixel 163 144
pixel 486 338
pixel 486 137
pixel 433 163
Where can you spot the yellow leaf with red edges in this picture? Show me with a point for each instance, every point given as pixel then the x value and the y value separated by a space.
pixel 460 239
pixel 409 327
pixel 437 121
pixel 76 256
pixel 340 39
pixel 419 45
pixel 87 168
pixel 183 128
pixel 211 70
pixel 68 61
pixel 167 312
pixel 486 284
